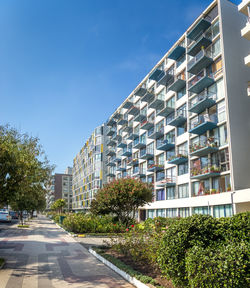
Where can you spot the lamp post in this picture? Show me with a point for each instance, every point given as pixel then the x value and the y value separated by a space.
pixel 232 201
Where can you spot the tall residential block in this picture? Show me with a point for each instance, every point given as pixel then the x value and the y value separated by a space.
pixel 88 169
pixel 186 127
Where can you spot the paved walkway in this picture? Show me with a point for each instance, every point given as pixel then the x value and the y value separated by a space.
pixel 44 256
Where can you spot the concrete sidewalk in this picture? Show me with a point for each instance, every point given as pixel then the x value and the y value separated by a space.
pixel 44 256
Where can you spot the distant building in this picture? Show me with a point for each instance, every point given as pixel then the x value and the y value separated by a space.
pixel 61 188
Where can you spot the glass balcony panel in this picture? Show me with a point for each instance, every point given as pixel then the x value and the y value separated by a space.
pixel 146 154
pixel 204 172
pixel 147 124
pixel 156 133
pixel 111 122
pixel 127 105
pixel 157 101
pixel 179 83
pixel 179 118
pixel 165 145
pixel 169 181
pixel 166 77
pixel 202 60
pixel 203 41
pixel 202 102
pixel 200 82
pixel 201 26
pixel 141 91
pixel 155 167
pixel 156 74
pixel 134 110
pixel 177 52
pixel 204 147
pixel 178 158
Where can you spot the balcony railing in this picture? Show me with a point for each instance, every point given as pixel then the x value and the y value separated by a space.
pixel 127 152
pixel 177 52
pixel 179 118
pixel 199 62
pixel 167 182
pixel 204 123
pixel 134 110
pixel 179 158
pixel 139 172
pixel 202 102
pixel 178 84
pixel 157 101
pixel 156 133
pixel 202 40
pixel 147 154
pixel 141 91
pixel 200 82
pixel 139 143
pixel 168 109
pixel 203 148
pixel 147 124
pixel 121 144
pixel 156 167
pixel 149 96
pixel 201 26
pixel 111 131
pixel 166 144
pixel 205 172
pixel 111 151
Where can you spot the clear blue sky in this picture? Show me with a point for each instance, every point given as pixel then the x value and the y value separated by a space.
pixel 65 65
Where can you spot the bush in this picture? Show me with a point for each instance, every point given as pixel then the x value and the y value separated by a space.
pixel 178 239
pixel 219 266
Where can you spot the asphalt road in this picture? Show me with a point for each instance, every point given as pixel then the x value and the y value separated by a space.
pixel 43 256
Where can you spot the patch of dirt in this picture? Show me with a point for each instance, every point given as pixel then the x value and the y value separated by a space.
pixel 141 267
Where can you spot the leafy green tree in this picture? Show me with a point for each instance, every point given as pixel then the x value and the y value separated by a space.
pixel 58 205
pixel 122 198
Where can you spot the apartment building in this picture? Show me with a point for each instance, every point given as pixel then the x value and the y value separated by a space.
pixel 88 170
pixel 186 127
pixel 244 7
pixel 60 188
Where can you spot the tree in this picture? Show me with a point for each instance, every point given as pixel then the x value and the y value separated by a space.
pixel 122 197
pixel 58 205
pixel 24 170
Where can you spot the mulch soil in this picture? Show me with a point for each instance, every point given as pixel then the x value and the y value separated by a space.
pixel 141 267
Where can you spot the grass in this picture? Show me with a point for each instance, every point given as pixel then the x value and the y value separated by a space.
pixel 1 262
pixel 23 226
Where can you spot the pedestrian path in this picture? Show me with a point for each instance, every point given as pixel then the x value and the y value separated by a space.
pixel 44 256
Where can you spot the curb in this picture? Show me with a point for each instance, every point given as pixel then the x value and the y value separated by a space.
pixel 125 275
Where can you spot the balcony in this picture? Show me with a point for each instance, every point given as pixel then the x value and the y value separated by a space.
pixel 179 118
pixel 111 164
pixel 245 32
pixel 111 143
pixel 148 97
pixel 201 26
pixel 157 101
pixel 141 91
pixel 203 148
pixel 202 41
pixel 127 152
pixel 140 117
pixel 117 137
pixel 205 172
pixel 127 105
pixel 139 143
pixel 147 124
pixel 134 162
pixel 167 182
pixel 165 145
pixel 117 159
pixel 156 74
pixel 122 144
pixel 202 102
pixel 166 77
pixel 111 152
pixel 178 84
pixel 134 135
pixel 204 123
pixel 146 154
pixel 134 110
pixel 111 174
pixel 155 167
pixel 177 52
pixel 199 62
pixel 111 122
pixel 128 128
pixel 139 172
pixel 179 158
pixel 123 121
pixel 111 131
pixel 121 169
pixel 166 110
pixel 156 133
pixel 200 82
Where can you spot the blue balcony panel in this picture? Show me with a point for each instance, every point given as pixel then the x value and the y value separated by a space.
pixel 166 183
pixel 111 132
pixel 177 52
pixel 140 118
pixel 111 164
pixel 127 153
pixel 156 135
pixel 156 103
pixel 156 74
pixel 139 145
pixel 200 64
pixel 196 47
pixel 203 127
pixel 121 169
pixel 147 156
pixel 110 174
pixel 165 111
pixel 117 115
pixel 147 125
pixel 111 122
pixel 134 162
pixel 165 146
pixel 178 160
pixel 133 136
pixel 200 27
pixel 121 145
pixel 110 153
pixel 117 159
pixel 127 105
pixel 204 151
pixel 140 92
pixel 178 121
pixel 111 143
pixel 177 85
pixel 148 97
pixel 200 85
pixel 155 169
pixel 165 78
pixel 206 175
pixel 202 105
pixel 122 122
pixel 134 110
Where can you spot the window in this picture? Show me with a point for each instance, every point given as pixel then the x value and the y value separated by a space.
pixel 215 29
pixel 223 211
pixel 160 213
pixel 184 212
pixel 217 67
pixel 160 195
pixel 183 191
pixel 170 153
pixel 223 134
pixel 183 169
pixel 170 193
pixel 221 111
pixel 224 160
pixel 151 213
pixel 180 60
pixel 160 159
pixel 181 93
pixel 160 175
pixel 171 102
pixel 202 210
pixel 171 212
pixel 200 188
pixel 182 129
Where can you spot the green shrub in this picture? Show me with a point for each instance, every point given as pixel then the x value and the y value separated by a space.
pixel 182 235
pixel 218 266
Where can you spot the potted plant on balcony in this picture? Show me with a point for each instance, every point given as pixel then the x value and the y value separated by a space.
pixel 213 191
pixel 229 187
